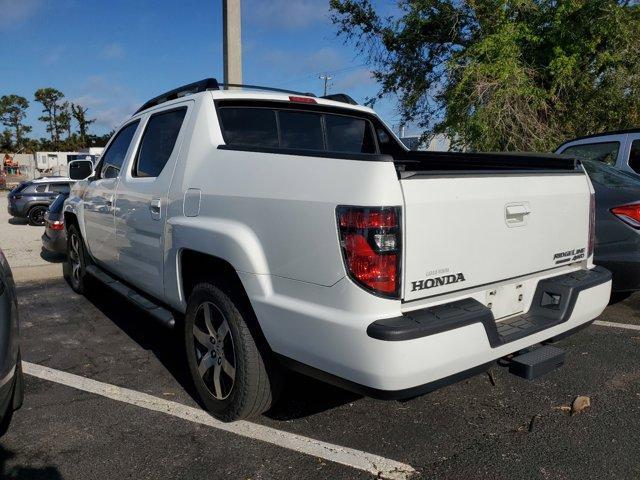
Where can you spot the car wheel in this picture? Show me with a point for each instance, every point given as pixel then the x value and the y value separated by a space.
pixel 36 215
pixel 232 368
pixel 74 268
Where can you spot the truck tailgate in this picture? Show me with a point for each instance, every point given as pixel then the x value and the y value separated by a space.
pixel 463 231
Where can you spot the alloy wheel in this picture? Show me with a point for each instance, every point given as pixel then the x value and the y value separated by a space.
pixel 74 257
pixel 215 353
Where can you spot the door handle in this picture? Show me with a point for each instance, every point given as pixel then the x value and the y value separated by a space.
pixel 155 207
pixel 517 211
pixel 515 214
pixel 109 202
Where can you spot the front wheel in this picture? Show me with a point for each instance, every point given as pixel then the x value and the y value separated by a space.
pixel 75 266
pixel 232 370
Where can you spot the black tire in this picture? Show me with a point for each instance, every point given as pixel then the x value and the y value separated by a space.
pixel 256 380
pixel 36 215
pixel 74 269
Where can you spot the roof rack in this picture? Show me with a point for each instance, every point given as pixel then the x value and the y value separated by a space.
pixel 213 84
pixel 266 89
pixel 340 97
pixel 195 87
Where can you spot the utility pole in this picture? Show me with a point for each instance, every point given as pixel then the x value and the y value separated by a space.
pixel 232 43
pixel 326 79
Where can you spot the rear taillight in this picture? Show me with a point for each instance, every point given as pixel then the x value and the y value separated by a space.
pixel 57 225
pixel 592 224
pixel 370 241
pixel 17 197
pixel 629 214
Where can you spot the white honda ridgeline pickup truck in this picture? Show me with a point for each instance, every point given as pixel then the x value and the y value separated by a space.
pixel 280 229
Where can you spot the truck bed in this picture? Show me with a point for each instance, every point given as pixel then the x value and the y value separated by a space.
pixel 420 162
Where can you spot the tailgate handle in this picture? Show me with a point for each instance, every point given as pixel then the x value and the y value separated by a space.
pixel 515 214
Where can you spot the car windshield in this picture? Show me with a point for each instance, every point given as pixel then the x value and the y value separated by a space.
pixel 56 206
pixel 609 176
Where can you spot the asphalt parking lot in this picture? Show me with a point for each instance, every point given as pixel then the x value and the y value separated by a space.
pixel 107 396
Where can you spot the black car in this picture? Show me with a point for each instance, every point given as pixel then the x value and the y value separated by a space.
pixel 54 238
pixel 11 389
pixel 31 199
pixel 617 225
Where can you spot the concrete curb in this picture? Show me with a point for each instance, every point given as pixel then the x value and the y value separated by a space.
pixel 40 272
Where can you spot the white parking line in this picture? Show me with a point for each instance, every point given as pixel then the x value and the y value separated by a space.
pixel 374 464
pixel 626 326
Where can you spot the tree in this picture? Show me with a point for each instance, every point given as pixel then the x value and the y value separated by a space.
pixel 53 109
pixel 64 119
pixel 80 116
pixel 12 114
pixel 504 74
pixel 6 145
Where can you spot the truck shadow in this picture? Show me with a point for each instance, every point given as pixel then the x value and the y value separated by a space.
pixel 18 221
pixel 301 396
pixel 20 472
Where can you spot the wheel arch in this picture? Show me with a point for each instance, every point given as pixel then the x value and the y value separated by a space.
pixel 197 267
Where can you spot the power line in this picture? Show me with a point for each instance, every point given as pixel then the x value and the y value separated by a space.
pixel 326 79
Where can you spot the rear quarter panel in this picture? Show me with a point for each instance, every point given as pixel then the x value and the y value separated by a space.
pixel 269 214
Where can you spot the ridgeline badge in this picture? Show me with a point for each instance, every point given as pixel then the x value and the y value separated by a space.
pixel 437 281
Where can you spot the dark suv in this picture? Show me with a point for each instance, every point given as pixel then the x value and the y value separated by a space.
pixel 31 199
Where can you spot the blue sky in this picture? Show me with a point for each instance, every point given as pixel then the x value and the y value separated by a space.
pixel 111 56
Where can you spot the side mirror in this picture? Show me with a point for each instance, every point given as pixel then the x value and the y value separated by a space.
pixel 80 169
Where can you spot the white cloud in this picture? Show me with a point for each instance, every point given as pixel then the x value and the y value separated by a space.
pixel 290 14
pixel 53 56
pixel 113 51
pixel 109 103
pixel 326 59
pixel 14 12
pixel 356 79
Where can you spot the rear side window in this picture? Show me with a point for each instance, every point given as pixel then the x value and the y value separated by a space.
pixel 605 152
pixel 296 130
pixel 113 158
pixel 252 127
pixel 348 134
pixel 158 142
pixel 20 187
pixel 41 188
pixel 59 188
pixel 634 156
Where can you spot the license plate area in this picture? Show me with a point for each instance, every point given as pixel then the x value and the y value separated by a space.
pixel 505 301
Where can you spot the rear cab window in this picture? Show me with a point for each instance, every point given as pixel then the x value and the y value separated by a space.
pixel 287 128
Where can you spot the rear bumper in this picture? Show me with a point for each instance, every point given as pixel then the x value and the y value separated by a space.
pixel 56 243
pixel 553 304
pixel 401 357
pixel 16 211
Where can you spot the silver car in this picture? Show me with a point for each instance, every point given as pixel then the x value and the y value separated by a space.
pixel 11 389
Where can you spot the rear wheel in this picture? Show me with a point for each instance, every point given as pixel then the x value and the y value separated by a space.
pixel 75 267
pixel 233 372
pixel 36 215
